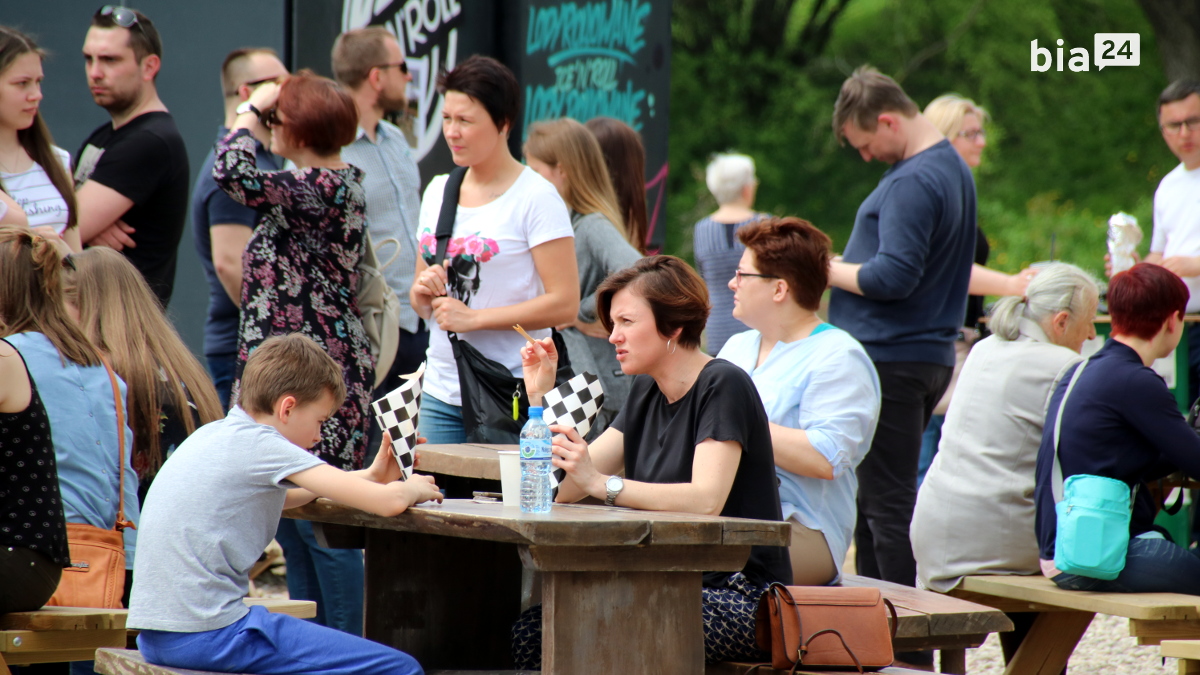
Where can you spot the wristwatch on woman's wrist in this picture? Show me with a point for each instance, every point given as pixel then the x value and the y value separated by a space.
pixel 247 107
pixel 613 487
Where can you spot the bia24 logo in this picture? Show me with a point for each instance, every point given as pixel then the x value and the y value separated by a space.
pixel 1109 49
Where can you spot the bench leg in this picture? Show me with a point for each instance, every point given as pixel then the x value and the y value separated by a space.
pixel 1049 643
pixel 1189 667
pixel 954 661
pixel 5 671
pixel 622 622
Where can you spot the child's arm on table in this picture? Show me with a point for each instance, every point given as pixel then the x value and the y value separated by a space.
pixel 375 489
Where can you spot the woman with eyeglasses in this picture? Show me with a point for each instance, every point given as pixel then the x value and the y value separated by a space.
pixel 301 276
pixel 59 442
pixel 818 385
pixel 961 120
pixel 34 173
pixel 691 437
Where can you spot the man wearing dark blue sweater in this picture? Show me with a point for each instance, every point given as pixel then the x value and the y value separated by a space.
pixel 900 289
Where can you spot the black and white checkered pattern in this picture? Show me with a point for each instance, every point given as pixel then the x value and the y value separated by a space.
pixel 575 403
pixel 396 413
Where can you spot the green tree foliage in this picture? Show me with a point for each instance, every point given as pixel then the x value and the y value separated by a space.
pixel 1065 149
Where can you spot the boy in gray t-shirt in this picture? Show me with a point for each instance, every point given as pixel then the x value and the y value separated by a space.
pixel 214 507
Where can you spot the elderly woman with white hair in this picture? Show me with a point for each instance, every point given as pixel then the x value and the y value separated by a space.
pixel 975 511
pixel 730 178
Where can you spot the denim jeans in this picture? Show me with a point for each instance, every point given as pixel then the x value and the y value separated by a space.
pixel 1151 566
pixel 332 577
pixel 441 422
pixel 222 367
pixel 929 446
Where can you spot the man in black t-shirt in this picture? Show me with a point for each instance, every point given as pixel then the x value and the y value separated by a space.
pixel 131 175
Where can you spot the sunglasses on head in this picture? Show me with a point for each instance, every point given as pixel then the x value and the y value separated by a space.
pixel 122 16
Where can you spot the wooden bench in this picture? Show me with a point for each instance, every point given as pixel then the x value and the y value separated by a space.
pixel 58 634
pixel 1187 651
pixel 1065 615
pixel 741 668
pixel 130 662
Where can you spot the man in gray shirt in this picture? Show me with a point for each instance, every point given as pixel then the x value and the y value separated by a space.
pixel 371 65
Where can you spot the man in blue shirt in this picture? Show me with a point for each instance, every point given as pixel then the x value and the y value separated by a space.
pixel 222 226
pixel 900 289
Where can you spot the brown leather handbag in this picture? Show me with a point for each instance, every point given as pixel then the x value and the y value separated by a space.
pixel 96 577
pixel 825 627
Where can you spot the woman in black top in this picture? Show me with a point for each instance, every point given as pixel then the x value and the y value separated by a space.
pixel 692 436
pixel 33 532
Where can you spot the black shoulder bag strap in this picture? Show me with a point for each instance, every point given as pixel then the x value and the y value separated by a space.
pixel 445 224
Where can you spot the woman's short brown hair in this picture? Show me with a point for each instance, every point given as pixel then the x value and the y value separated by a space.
pixel 289 365
pixel 320 114
pixel 793 250
pixel 677 296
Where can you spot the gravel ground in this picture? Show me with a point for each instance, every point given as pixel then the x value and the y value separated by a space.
pixel 1105 648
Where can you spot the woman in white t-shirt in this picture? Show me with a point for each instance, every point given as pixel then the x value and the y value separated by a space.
pixel 33 171
pixel 511 257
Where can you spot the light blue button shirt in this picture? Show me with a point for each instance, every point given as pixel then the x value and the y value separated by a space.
pixel 826 385
pixel 393 187
pixel 83 424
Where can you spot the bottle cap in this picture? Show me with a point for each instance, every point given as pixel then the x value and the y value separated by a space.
pixel 535 411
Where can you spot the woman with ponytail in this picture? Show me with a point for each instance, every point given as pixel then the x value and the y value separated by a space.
pixel 170 394
pixel 975 510
pixel 52 378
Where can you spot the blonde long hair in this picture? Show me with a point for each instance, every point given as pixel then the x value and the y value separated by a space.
pixel 569 145
pixel 123 319
pixel 31 294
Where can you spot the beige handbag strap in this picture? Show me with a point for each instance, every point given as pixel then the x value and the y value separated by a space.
pixel 121 523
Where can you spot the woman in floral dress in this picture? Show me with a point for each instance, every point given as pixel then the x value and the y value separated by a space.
pixel 300 274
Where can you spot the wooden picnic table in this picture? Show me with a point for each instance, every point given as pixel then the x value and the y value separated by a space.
pixel 620 588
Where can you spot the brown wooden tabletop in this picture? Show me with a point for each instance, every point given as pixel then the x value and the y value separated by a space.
pixel 467 460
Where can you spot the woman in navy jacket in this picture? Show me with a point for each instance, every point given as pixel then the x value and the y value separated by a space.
pixel 1121 422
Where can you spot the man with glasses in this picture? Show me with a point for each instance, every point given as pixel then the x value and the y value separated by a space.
pixel 901 290
pixel 131 174
pixel 1176 240
pixel 370 64
pixel 221 226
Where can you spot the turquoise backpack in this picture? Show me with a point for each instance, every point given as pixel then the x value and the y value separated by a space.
pixel 1092 537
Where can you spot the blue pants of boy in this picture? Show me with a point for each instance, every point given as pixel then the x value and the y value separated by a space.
pixel 331 577
pixel 274 644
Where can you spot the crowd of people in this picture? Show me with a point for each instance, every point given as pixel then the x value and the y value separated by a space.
pixel 896 422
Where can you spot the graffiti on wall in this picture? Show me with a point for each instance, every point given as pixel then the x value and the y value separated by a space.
pixel 428 32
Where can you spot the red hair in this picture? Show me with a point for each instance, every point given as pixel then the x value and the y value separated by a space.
pixel 793 250
pixel 320 114
pixel 1141 299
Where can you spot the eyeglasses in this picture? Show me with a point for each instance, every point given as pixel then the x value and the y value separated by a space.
pixel 270 118
pixel 738 275
pixel 1192 123
pixel 403 66
pixel 973 134
pixel 122 16
pixel 255 83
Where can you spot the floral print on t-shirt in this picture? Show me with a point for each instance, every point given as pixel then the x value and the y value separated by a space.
pixel 465 256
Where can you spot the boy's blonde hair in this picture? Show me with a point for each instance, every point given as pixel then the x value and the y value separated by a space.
pixel 289 365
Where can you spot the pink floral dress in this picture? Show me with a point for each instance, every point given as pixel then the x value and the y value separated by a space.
pixel 300 273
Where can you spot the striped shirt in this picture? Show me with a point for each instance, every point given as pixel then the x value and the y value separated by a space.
pixel 393 187
pixel 718 252
pixel 37 196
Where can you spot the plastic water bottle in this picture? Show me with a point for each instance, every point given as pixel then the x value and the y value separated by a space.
pixel 535 464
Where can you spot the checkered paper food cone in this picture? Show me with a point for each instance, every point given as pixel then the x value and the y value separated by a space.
pixel 396 413
pixel 575 403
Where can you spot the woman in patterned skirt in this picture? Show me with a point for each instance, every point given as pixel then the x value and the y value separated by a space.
pixel 301 276
pixel 692 436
